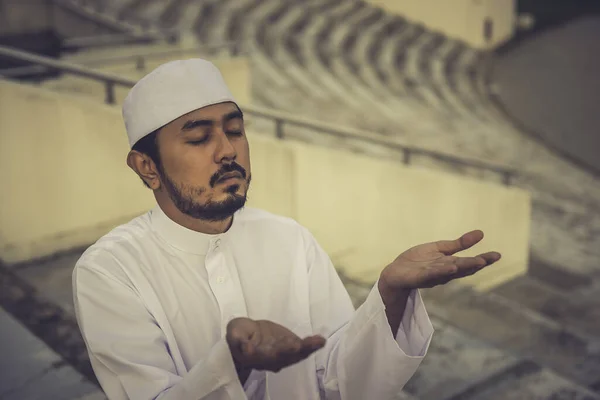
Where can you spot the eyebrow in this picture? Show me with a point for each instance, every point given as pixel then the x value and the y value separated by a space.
pixel 193 124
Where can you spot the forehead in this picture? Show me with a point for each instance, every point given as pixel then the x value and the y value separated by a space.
pixel 215 112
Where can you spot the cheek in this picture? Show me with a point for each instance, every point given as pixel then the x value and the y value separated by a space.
pixel 243 155
pixel 190 167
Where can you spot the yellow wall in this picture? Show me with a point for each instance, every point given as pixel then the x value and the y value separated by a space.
pixel 65 183
pixel 63 172
pixel 459 19
pixel 366 211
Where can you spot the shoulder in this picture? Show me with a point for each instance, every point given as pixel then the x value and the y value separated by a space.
pixel 111 252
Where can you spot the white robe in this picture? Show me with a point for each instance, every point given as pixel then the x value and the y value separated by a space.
pixel 153 300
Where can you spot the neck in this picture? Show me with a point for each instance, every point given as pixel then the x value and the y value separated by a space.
pixel 198 225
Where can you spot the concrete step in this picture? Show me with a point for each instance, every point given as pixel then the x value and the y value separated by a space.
pixel 579 310
pixel 512 326
pixel 325 51
pixel 470 358
pixel 31 370
pixel 28 300
pixel 529 381
pixel 236 23
pixel 203 24
pixel 143 11
pixel 174 12
pixel 218 23
pixel 485 347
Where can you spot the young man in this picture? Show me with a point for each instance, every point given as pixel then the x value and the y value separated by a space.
pixel 201 298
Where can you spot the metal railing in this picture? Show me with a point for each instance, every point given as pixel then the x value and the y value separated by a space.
pixel 138 58
pixel 280 119
pixel 119 39
pixel 109 80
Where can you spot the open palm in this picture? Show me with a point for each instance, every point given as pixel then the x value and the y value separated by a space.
pixel 431 264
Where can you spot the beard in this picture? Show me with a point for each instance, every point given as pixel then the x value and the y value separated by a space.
pixel 184 197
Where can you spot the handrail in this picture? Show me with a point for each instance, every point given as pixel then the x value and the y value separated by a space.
pixel 109 80
pixel 118 39
pixel 279 118
pixel 136 56
pixel 139 58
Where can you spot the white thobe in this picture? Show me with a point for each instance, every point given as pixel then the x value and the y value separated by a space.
pixel 153 300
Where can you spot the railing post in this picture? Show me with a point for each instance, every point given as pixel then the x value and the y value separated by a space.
pixel 406 156
pixel 110 92
pixel 140 63
pixel 279 128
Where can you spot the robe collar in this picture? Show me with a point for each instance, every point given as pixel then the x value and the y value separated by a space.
pixel 183 238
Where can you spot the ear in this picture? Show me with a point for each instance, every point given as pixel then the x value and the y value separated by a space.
pixel 146 169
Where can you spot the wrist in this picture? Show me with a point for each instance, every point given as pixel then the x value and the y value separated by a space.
pixel 390 295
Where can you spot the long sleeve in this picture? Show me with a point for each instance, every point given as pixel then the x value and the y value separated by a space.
pixel 362 359
pixel 129 351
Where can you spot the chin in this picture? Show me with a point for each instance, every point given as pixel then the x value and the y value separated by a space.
pixel 234 189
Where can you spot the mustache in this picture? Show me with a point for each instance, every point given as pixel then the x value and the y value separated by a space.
pixel 226 169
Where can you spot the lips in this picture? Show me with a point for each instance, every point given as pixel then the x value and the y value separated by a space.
pixel 229 176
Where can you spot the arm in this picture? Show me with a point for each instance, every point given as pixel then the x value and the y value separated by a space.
pixel 129 352
pixel 362 358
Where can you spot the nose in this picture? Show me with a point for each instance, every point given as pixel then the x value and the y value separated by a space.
pixel 225 150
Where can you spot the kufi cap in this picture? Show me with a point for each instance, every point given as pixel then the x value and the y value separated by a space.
pixel 170 91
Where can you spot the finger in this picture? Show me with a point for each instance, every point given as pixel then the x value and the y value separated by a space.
pixel 255 337
pixel 470 262
pixel 248 349
pixel 479 261
pixel 469 239
pixel 491 257
pixel 240 329
pixel 311 344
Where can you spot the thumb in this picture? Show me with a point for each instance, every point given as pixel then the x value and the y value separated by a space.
pixel 469 239
pixel 313 343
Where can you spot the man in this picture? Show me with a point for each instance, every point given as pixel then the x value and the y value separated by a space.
pixel 201 298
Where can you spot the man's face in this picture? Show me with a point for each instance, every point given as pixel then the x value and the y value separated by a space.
pixel 205 162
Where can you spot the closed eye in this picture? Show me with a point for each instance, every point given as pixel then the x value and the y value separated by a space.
pixel 198 142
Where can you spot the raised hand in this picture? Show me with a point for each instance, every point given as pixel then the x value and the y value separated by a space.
pixel 432 264
pixel 265 345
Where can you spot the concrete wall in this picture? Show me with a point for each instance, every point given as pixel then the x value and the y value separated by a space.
pixel 70 23
pixel 65 182
pixel 459 19
pixel 20 16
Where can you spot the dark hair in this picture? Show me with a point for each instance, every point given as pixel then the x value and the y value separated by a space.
pixel 149 145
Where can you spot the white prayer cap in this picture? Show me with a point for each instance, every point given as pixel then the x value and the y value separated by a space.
pixel 170 91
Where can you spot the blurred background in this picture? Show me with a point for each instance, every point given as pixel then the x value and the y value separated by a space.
pixel 377 124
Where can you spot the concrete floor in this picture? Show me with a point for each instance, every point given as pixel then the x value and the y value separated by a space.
pixel 30 370
pixel 484 348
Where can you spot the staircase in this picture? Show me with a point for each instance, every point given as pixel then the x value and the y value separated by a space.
pixel 345 62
